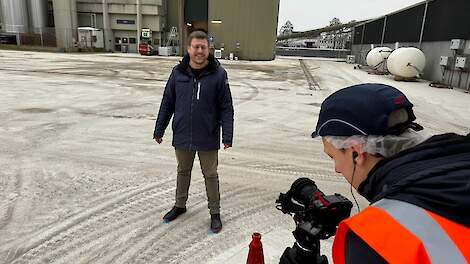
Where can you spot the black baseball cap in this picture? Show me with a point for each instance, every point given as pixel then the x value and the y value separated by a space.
pixel 364 109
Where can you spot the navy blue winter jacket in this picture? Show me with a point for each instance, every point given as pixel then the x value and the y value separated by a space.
pixel 199 106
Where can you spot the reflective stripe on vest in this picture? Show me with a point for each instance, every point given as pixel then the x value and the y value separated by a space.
pixel 404 233
pixel 436 242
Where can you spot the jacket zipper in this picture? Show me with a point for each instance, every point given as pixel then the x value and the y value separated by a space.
pixel 198 90
pixel 191 116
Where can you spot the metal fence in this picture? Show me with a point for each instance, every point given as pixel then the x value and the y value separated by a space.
pixel 313 52
pixel 45 37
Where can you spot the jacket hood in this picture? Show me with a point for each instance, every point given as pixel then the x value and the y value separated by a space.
pixel 434 175
pixel 213 65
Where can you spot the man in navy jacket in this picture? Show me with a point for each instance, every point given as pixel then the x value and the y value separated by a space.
pixel 198 97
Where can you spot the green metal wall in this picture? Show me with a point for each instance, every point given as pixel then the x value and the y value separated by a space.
pixel 173 20
pixel 253 23
pixel 175 11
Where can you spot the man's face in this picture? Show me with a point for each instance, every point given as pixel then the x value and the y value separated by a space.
pixel 198 51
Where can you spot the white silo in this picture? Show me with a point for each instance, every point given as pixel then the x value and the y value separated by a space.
pixel 38 15
pixel 406 62
pixel 15 16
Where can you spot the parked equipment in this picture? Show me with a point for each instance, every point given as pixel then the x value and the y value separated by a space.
pixel 145 44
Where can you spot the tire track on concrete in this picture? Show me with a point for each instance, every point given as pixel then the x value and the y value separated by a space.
pixel 9 206
pixel 22 248
pixel 124 244
pixel 86 240
pixel 131 230
pixel 259 219
pixel 287 169
pixel 158 237
pixel 242 206
pixel 49 132
pixel 94 246
pixel 253 94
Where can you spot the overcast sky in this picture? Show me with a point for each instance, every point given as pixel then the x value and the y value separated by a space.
pixel 311 14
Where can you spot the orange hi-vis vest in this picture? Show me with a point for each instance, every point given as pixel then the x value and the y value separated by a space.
pixel 401 232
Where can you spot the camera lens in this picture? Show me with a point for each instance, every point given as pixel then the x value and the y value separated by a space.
pixel 303 189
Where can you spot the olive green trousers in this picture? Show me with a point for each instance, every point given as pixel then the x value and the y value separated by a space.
pixel 208 161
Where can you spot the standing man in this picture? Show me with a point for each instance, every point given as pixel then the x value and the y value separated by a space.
pixel 198 96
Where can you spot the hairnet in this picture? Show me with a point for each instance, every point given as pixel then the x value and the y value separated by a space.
pixel 385 146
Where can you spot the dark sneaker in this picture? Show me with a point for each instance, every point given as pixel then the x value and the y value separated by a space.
pixel 174 213
pixel 216 223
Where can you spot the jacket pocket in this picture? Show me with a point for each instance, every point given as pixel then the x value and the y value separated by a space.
pixel 209 124
pixel 176 124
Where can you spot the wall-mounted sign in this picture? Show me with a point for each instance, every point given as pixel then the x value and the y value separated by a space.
pixel 126 21
pixel 146 33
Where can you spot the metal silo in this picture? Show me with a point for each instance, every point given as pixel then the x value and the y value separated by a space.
pixel 15 15
pixel 38 15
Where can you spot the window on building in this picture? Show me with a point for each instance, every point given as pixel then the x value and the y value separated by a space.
pixel 132 40
pixel 125 40
pixel 117 40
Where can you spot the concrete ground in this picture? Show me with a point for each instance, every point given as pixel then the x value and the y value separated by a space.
pixel 83 182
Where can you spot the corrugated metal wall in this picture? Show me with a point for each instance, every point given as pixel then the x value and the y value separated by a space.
pixel 404 26
pixel 251 23
pixel 445 20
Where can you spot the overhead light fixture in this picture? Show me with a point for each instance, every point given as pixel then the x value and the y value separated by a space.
pixel 216 21
pixel 189 24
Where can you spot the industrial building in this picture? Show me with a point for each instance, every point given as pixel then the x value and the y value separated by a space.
pixel 244 29
pixel 439 28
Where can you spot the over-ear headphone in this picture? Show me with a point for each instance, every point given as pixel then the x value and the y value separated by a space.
pixel 354 156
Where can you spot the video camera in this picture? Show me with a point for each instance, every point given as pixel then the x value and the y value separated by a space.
pixel 316 216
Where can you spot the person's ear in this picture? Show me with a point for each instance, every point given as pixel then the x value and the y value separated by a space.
pixel 358 155
pixel 354 156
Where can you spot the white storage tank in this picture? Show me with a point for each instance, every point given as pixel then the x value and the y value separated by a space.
pixel 376 57
pixel 406 62
pixel 15 16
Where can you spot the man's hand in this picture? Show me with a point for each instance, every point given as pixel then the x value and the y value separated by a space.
pixel 226 146
pixel 158 140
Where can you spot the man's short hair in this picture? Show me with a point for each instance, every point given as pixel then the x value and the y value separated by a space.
pixel 198 34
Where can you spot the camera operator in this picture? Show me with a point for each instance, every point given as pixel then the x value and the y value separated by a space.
pixel 418 186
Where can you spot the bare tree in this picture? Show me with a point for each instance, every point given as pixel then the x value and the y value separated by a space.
pixel 286 29
pixel 335 22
